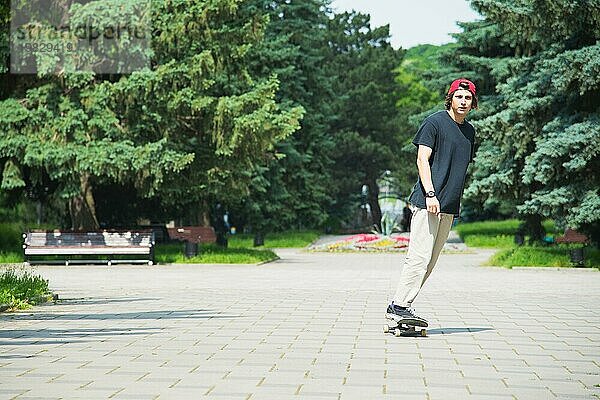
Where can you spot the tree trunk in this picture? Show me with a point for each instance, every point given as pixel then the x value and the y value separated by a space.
pixel 39 208
pixel 373 199
pixel 83 208
pixel 196 214
pixel 205 217
pixel 534 229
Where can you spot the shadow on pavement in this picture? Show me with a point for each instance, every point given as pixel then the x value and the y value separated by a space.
pixel 134 315
pixel 16 356
pixel 28 342
pixel 72 332
pixel 23 337
pixel 447 331
pixel 92 300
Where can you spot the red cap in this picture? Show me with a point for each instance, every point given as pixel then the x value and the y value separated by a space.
pixel 455 86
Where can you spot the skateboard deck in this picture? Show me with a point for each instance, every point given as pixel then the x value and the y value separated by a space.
pixel 403 328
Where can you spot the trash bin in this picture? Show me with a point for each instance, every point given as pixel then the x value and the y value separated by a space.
pixel 259 239
pixel 191 249
pixel 577 257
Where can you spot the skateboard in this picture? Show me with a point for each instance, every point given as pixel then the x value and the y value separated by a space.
pixel 399 328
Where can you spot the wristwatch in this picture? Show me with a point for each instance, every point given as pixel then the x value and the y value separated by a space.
pixel 430 194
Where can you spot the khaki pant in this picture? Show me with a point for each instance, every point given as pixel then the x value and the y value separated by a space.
pixel 428 233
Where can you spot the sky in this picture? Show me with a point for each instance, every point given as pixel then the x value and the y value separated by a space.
pixel 414 22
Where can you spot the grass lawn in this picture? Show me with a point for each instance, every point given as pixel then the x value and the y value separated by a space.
pixel 211 254
pixel 296 239
pixel 495 234
pixel 500 235
pixel 240 249
pixel 173 254
pixel 11 257
pixel 552 256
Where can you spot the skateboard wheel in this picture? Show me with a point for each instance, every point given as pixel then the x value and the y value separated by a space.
pixel 386 328
pixel 423 332
pixel 397 332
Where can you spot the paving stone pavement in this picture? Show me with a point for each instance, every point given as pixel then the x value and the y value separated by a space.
pixel 308 326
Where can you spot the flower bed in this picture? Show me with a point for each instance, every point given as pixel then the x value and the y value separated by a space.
pixel 366 242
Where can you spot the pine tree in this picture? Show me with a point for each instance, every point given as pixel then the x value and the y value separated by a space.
pixel 186 131
pixel 539 61
pixel 419 95
pixel 366 128
pixel 4 40
pixel 293 189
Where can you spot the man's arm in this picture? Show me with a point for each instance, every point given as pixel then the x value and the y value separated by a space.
pixel 423 155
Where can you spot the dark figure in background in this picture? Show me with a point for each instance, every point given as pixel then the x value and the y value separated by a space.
pixel 406 217
pixel 220 224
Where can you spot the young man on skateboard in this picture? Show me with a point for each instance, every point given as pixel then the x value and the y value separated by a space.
pixel 445 143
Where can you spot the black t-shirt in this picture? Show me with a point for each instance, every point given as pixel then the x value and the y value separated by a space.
pixel 453 150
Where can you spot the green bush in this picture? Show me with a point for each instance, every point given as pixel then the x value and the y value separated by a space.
pixel 21 289
pixel 11 237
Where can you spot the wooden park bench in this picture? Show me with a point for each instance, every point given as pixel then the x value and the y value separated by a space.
pixel 61 247
pixel 572 236
pixel 193 234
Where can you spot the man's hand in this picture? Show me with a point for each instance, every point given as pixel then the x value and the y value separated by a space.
pixel 423 155
pixel 433 205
